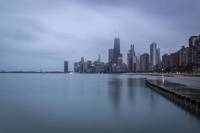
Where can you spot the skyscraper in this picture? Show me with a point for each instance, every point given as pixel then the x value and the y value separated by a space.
pixel 144 62
pixel 157 56
pixel 116 50
pixel 99 58
pixel 131 59
pixel 65 66
pixel 76 67
pixel 110 56
pixel 153 48
pixel 183 56
pixel 82 65
pixel 194 50
pixel 138 63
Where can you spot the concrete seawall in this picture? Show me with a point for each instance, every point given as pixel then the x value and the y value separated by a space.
pixel 186 98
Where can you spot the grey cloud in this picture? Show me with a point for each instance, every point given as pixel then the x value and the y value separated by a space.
pixel 18 27
pixel 45 33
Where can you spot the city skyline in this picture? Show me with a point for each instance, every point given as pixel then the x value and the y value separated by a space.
pixel 154 57
pixel 41 37
pixel 185 59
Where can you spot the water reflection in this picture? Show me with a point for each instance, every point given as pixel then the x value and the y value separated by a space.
pixel 131 88
pixel 153 99
pixel 115 85
pixel 131 83
pixel 87 103
pixel 163 79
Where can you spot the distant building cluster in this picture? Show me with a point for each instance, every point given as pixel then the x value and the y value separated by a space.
pixel 187 59
pixel 89 66
pixel 66 66
pixel 114 65
pixel 115 62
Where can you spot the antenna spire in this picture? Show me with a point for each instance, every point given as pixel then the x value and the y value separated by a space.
pixel 116 34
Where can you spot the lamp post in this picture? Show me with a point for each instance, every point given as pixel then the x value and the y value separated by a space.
pixel 163 80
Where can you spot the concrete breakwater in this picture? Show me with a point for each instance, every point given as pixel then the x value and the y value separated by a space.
pixel 184 97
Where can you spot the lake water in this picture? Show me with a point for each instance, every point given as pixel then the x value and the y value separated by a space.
pixel 87 103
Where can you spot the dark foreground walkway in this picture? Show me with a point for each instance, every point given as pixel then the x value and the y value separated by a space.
pixel 184 96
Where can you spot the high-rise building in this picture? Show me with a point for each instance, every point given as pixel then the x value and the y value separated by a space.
pixel 82 65
pixel 99 58
pixel 116 50
pixel 153 48
pixel 194 52
pixel 192 40
pixel 65 66
pixel 110 56
pixel 131 59
pixel 99 68
pixel 191 52
pixel 144 62
pixel 76 67
pixel 89 62
pixel 170 62
pixel 158 56
pixel 166 62
pixel 138 63
pixel 174 61
pixel 183 56
pixel 197 54
pixel 120 60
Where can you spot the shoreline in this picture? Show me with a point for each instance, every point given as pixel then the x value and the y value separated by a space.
pixel 148 74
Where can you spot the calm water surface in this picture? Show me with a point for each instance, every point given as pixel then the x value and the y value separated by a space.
pixel 89 103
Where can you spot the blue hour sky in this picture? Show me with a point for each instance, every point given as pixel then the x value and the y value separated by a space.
pixel 41 34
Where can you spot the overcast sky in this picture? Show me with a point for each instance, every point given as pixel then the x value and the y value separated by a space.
pixel 41 34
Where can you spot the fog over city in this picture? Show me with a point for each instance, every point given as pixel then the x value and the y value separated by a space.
pixel 41 34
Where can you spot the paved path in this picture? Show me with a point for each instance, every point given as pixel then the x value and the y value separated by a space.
pixel 193 82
